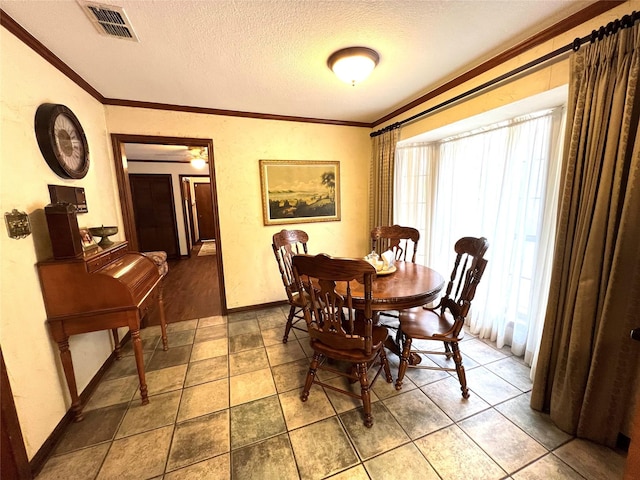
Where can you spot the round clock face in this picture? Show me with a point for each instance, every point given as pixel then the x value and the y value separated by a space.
pixel 62 140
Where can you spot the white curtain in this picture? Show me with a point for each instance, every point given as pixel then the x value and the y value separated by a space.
pixel 500 182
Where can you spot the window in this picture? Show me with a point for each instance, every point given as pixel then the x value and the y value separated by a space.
pixel 500 181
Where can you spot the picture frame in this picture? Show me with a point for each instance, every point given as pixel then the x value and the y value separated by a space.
pixel 88 242
pixel 300 191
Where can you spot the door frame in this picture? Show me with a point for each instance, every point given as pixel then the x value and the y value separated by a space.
pixel 124 190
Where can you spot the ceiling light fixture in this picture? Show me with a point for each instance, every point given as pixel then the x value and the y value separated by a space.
pixel 198 157
pixel 354 64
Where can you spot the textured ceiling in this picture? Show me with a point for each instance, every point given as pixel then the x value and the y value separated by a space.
pixel 270 56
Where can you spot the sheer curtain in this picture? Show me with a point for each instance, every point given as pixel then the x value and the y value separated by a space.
pixel 499 182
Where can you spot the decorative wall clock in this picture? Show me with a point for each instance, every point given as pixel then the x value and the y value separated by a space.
pixel 62 141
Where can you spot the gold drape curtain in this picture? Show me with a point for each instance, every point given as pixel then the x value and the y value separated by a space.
pixel 383 152
pixel 587 371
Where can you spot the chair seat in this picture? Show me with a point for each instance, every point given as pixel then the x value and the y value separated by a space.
pixel 354 356
pixel 419 322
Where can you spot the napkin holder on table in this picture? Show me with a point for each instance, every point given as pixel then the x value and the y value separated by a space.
pixel 388 259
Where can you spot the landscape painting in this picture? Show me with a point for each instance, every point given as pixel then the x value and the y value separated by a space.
pixel 300 191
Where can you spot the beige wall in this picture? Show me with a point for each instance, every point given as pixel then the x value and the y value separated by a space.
pixel 33 365
pixel 250 273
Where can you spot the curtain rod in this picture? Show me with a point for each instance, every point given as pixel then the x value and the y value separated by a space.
pixel 611 28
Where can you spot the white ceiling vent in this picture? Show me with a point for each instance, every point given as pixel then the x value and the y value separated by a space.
pixel 109 20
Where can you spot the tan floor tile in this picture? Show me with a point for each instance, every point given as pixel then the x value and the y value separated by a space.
pixel 290 376
pixel 385 434
pixel 243 327
pixel 592 461
pixel 202 334
pixel 340 401
pixel 159 412
pixel 414 466
pixel 215 468
pixel 548 467
pixel 490 387
pixel 251 386
pixel 509 446
pixel 139 456
pixel 211 321
pixel 203 399
pixel 284 353
pixel 536 424
pixel 416 413
pixel 480 352
pixel 181 338
pixel 199 439
pixel 320 459
pixel 249 341
pixel 273 320
pixel 356 473
pixel 446 394
pixel 513 371
pixel 80 465
pixel 248 361
pixel 270 459
pixel 113 392
pixel 209 349
pixel 272 336
pixel 298 413
pixel 455 456
pixel 207 370
pixel 166 379
pixel 152 331
pixel 178 326
pixel 256 421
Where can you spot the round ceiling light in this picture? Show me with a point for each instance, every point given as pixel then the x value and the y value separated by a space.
pixel 354 64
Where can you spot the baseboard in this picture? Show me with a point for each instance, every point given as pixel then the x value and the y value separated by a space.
pixel 248 308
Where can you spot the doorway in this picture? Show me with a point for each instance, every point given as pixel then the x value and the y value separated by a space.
pixel 127 206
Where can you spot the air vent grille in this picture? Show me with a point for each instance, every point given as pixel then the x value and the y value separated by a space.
pixel 109 20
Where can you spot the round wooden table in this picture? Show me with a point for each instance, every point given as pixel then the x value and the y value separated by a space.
pixel 411 285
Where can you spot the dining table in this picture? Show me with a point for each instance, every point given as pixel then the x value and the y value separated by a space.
pixel 406 285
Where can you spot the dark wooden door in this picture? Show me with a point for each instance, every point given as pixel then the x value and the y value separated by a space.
pixel 204 207
pixel 154 213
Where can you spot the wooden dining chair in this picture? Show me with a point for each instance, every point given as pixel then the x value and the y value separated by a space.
pixel 404 239
pixel 286 244
pixel 334 332
pixel 444 322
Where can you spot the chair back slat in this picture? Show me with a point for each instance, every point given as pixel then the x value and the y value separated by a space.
pixel 403 239
pixel 285 245
pixel 330 313
pixel 467 272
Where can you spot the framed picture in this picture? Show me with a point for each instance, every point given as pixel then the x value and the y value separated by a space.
pixel 88 242
pixel 300 191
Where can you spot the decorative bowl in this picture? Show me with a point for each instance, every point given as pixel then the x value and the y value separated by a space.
pixel 104 233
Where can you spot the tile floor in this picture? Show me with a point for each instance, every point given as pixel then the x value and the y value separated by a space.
pixel 224 403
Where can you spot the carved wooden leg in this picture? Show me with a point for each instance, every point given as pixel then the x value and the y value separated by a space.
pixel 137 350
pixel 404 361
pixel 365 395
pixel 460 369
pixel 67 365
pixel 287 328
pixel 116 342
pixel 310 376
pixel 163 320
pixel 385 365
pixel 447 349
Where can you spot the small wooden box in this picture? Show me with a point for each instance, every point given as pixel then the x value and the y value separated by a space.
pixel 63 230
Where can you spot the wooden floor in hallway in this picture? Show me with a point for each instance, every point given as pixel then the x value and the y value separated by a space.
pixel 191 289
